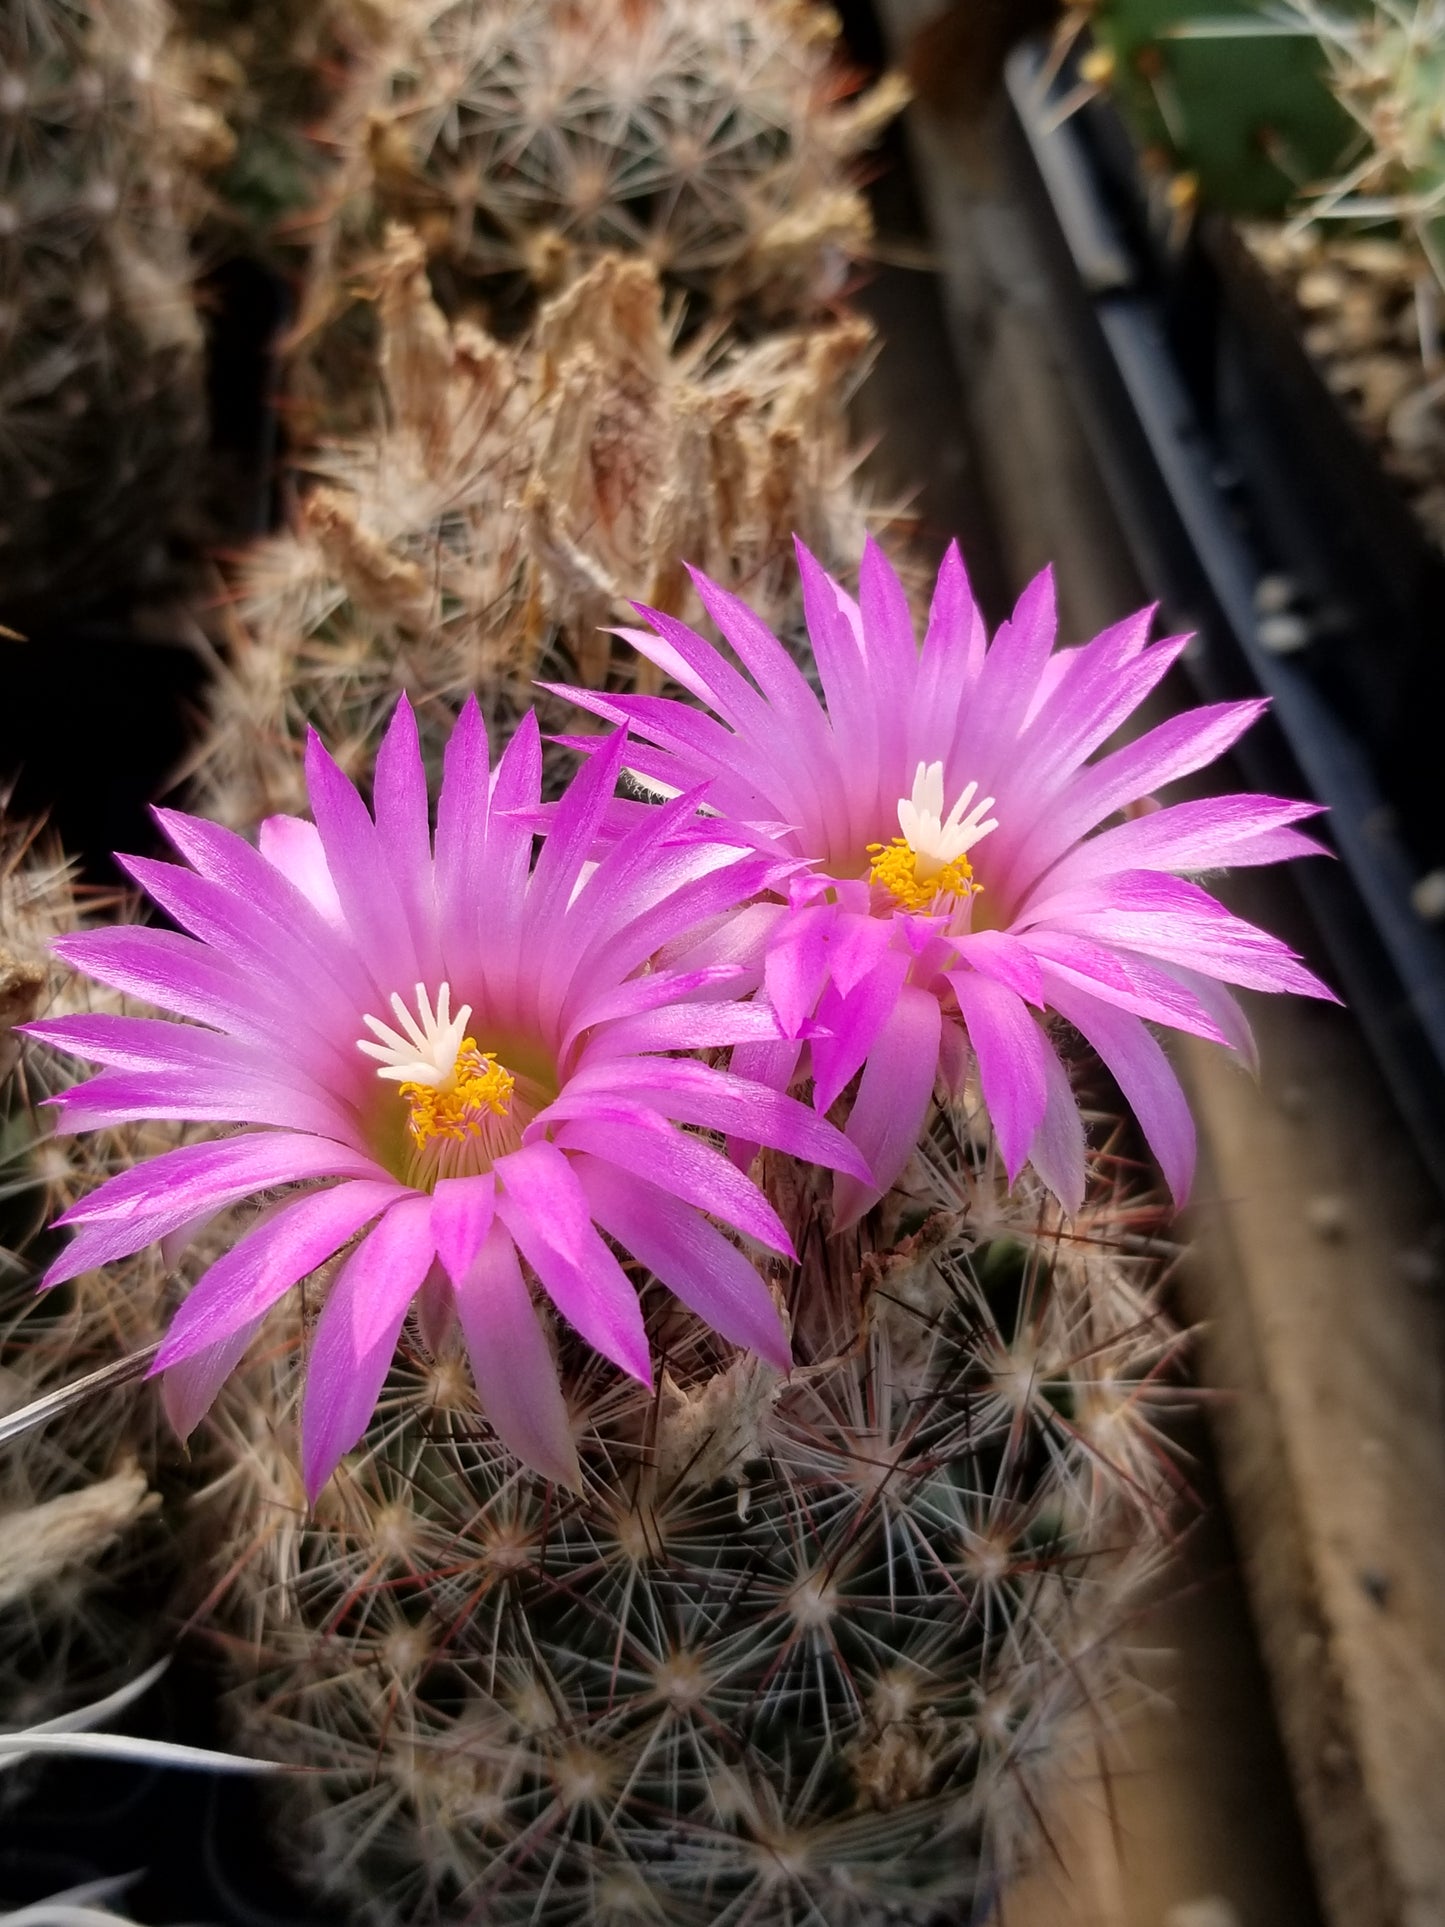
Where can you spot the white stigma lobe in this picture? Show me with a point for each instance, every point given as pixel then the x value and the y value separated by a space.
pixel 936 840
pixel 420 1053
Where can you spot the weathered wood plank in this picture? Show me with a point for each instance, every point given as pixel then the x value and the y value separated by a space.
pixel 1316 1265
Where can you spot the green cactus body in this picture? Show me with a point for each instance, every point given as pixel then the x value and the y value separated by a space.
pixel 803 1650
pixel 100 348
pixel 1231 94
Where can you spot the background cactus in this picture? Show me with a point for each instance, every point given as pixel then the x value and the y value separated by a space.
pixel 1387 68
pixel 1228 95
pixel 717 140
pixel 514 497
pixel 804 1650
pixel 83 1559
pixel 100 349
pixel 271 71
pixel 1364 256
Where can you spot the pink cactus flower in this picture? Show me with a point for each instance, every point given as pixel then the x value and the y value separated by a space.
pixel 466 1057
pixel 966 877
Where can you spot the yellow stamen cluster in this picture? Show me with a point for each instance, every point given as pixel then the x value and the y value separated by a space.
pixel 896 866
pixel 478 1089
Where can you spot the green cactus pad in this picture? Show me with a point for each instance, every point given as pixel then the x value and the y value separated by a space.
pixel 1228 92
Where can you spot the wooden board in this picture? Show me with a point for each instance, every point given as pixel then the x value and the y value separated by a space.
pixel 1316 1263
pixel 1317 1269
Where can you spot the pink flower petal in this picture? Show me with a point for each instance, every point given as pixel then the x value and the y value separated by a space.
pixel 692 904
pixel 545 1208
pixel 801 721
pixel 954 1057
pixel 189 979
pixel 435 1307
pixel 801 782
pixel 772 1065
pixel 201 1097
pixel 697 1094
pixel 149 1044
pixel 892 650
pixel 1165 753
pixel 188 1390
pixel 1118 976
pixel 403 830
pixel 639 1141
pixel 797 966
pixel 683 1251
pixel 1011 1051
pixel 1058 1151
pixel 157 1197
pixel 1209 833
pixel 239 901
pixel 512 1362
pixel 461 836
pixel 852 702
pixel 268 1261
pixel 891 1107
pixel 1224 1010
pixel 312 966
pixel 355 1339
pixel 462 1214
pixel 1011 673
pixel 357 860
pixel 641 994
pixel 1006 959
pixel 516 785
pixel 572 840
pixel 850 1027
pixel 292 845
pixel 954 647
pixel 1174 920
pixel 1143 1073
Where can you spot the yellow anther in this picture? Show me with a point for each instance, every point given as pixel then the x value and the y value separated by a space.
pixel 896 866
pixel 478 1089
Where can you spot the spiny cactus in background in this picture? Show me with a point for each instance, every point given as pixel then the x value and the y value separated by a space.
pixel 717 138
pixel 1227 97
pixel 513 499
pixel 1364 257
pixel 100 348
pixel 805 1649
pixel 79 1542
pixel 271 72
pixel 1387 68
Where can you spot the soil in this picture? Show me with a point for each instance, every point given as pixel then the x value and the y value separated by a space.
pixel 1373 321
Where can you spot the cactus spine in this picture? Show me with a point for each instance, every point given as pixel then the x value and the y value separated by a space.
pixel 804 1650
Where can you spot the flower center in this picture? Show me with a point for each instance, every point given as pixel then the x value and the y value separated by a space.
pixel 459 1099
pixel 929 861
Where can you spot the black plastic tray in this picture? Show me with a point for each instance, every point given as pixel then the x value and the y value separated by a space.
pixel 1246 497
